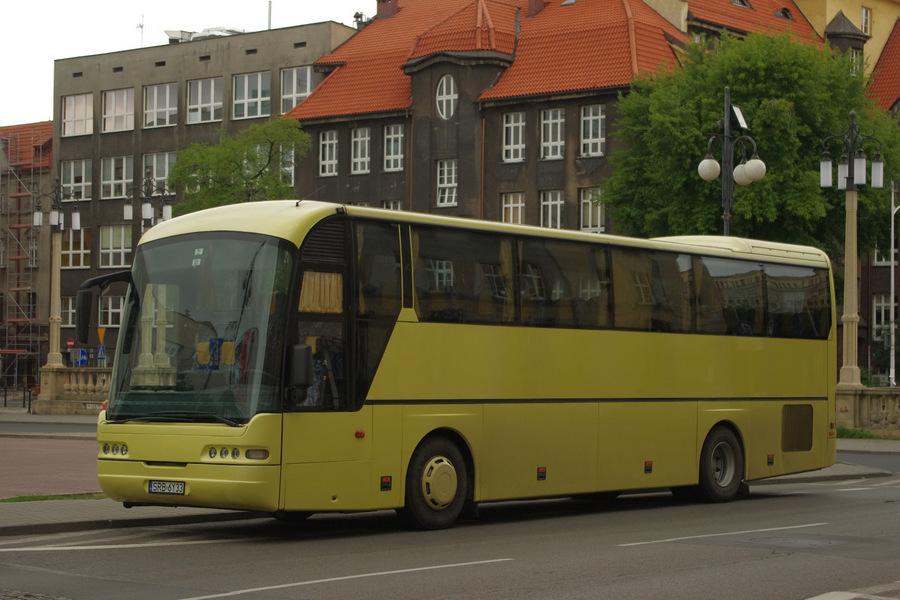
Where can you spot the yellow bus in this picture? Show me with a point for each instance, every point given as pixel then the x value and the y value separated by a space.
pixel 296 357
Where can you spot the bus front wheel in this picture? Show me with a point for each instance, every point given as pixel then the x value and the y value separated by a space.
pixel 721 466
pixel 436 484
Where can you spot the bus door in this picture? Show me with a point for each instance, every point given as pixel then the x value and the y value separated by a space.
pixel 327 441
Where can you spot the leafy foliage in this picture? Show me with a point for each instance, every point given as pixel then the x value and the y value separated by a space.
pixel 793 96
pixel 247 166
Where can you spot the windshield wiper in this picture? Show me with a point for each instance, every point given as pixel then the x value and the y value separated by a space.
pixel 180 416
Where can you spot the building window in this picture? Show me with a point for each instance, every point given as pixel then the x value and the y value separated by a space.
pixel 328 148
pixel 360 150
pixel 78 115
pixel 287 166
pixel 591 211
pixel 75 179
pixel 252 95
pixel 118 110
pixel 296 84
pixel 67 311
pixel 552 209
pixel 446 97
pixel 205 100
pixel 393 148
pixel 593 130
pixel 160 105
pixel 514 137
pixel 116 176
pixel 881 315
pixel 882 260
pixel 115 246
pixel 111 311
pixel 157 166
pixel 446 182
pixel 513 207
pixel 76 249
pixel 553 121
pixel 866 21
pixel 392 204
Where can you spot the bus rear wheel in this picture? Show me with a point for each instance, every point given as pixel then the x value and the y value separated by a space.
pixel 721 466
pixel 436 484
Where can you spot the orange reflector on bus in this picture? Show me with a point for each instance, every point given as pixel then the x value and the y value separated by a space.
pixel 360 433
pixel 385 483
pixel 648 466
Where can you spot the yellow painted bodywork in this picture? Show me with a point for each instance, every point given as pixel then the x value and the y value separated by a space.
pixel 593 410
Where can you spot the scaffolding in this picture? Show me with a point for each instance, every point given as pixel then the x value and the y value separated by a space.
pixel 24 170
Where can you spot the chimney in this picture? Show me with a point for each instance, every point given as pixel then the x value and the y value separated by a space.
pixel 386 8
pixel 534 7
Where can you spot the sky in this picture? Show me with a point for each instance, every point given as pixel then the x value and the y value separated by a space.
pixel 36 32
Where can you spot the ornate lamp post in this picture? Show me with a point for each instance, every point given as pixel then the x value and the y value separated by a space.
pixel 153 197
pixel 57 223
pixel 851 174
pixel 745 173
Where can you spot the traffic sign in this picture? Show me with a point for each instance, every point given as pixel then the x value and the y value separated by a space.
pixel 80 357
pixel 70 343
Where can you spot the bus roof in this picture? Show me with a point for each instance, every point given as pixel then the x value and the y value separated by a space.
pixel 292 219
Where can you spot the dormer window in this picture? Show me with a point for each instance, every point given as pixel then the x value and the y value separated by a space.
pixel 446 97
pixel 784 13
pixel 741 3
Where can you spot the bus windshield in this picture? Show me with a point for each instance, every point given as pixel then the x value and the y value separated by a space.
pixel 201 338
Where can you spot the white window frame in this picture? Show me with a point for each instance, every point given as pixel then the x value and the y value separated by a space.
pixel 446 97
pixel 204 100
pixel 512 207
pixel 67 311
pixel 391 204
pixel 881 315
pixel 116 176
pixel 251 95
pixel 393 147
pixel 160 105
pixel 865 20
pixel 110 311
pixel 288 166
pixel 553 129
pixel 75 179
pixel 115 246
pixel 447 192
pixel 593 130
pixel 514 137
pixel 296 84
pixel 361 148
pixel 159 164
pixel 591 212
pixel 118 110
pixel 328 153
pixel 552 204
pixel 75 250
pixel 78 115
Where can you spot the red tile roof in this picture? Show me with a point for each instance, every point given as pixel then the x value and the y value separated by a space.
pixel 885 86
pixel 762 16
pixel 23 139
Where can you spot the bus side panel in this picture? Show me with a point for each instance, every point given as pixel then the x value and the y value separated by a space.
pixel 327 461
pixel 539 449
pixel 647 444
pixel 387 459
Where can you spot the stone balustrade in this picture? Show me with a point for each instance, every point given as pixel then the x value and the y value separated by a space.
pixel 72 391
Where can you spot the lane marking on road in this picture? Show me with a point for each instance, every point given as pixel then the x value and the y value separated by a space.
pixel 347 578
pixel 862 489
pixel 723 534
pixel 104 547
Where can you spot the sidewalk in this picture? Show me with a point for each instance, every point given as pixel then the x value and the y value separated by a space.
pixel 54 516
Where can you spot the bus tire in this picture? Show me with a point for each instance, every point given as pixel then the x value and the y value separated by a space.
pixel 721 466
pixel 436 484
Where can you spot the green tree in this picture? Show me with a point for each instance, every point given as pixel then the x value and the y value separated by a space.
pixel 246 166
pixel 793 96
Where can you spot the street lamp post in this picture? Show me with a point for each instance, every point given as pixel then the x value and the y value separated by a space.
pixel 851 174
pixel 57 223
pixel 745 173
pixel 152 197
pixel 892 377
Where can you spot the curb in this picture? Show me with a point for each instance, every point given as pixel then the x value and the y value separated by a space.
pixel 74 526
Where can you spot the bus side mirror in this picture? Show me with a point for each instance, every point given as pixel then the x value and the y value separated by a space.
pixel 84 301
pixel 301 366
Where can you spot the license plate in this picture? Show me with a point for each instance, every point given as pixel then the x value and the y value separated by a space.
pixel 167 487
